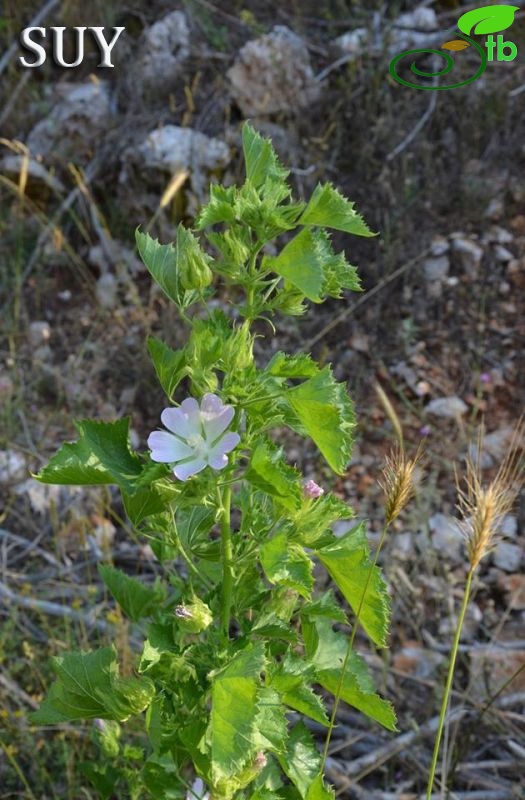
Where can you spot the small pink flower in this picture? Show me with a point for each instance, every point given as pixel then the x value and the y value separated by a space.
pixel 426 430
pixel 197 436
pixel 485 377
pixel 313 490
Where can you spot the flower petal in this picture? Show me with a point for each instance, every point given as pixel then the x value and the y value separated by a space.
pixel 177 422
pixel 188 468
pixel 216 423
pixel 217 454
pixel 166 448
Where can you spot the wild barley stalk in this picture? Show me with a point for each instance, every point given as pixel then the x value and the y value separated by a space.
pixel 482 510
pixel 398 487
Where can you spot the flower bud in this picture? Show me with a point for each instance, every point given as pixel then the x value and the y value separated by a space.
pixel 192 262
pixel 313 490
pixel 194 617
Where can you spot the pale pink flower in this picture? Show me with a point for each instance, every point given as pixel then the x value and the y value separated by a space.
pixel 196 436
pixel 313 490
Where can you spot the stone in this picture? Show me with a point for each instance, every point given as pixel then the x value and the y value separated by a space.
pixel 502 254
pixel 507 556
pixel 13 466
pixel 495 209
pixel 514 588
pixel 439 245
pixel 39 333
pixel 491 666
pixel 75 124
pixel 417 28
pixel 164 49
pixel 106 290
pixel 468 253
pixel 446 536
pixel 37 175
pixel 169 150
pixel 353 43
pixel 471 623
pixel 447 407
pixel 41 496
pixel 415 660
pixel 436 268
pixel 273 74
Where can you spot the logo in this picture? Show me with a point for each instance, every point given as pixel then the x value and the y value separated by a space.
pixel 30 41
pixel 488 20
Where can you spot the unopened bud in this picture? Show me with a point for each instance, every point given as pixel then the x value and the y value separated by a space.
pixel 194 617
pixel 313 490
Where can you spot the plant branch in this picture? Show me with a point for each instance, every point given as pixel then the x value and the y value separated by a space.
pixel 227 558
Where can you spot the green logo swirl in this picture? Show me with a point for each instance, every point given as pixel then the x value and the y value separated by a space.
pixel 449 64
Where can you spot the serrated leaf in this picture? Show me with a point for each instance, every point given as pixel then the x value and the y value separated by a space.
pixel 269 472
pixel 302 761
pixel 103 779
pixel 88 686
pixel 347 560
pixel 101 455
pixel 326 413
pixel 261 161
pixel 220 208
pixel 319 791
pixel 489 19
pixel 170 365
pixel 324 606
pixel 286 563
pixel 328 208
pixel 161 261
pixel 314 519
pixel 135 599
pixel 143 503
pixel 299 263
pixel 301 365
pixel 231 731
pixel 271 727
pixel 327 650
pixel 291 679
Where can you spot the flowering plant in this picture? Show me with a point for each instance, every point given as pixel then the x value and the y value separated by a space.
pixel 240 651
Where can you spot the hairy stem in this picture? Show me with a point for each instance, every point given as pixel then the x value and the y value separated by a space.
pixel 350 647
pixel 448 685
pixel 227 558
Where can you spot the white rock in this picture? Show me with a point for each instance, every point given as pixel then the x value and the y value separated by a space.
pixel 502 254
pixel 417 28
pixel 39 333
pixel 13 466
pixel 172 149
pixel 495 209
pixel 353 43
pixel 509 526
pixel 508 556
pixel 75 123
pixel 165 47
pixel 439 245
pixel 273 74
pixel 13 165
pixel 500 235
pixel 468 253
pixel 436 268
pixel 41 495
pixel 106 290
pixel 447 407
pixel 446 535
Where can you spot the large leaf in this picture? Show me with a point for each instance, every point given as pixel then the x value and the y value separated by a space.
pixel 269 472
pixel 328 208
pixel 300 263
pixel 232 727
pixel 291 679
pixel 301 365
pixel 88 686
pixel 302 761
pixel 326 413
pixel 347 560
pixel 271 727
pixel 319 791
pixel 315 518
pixel 101 455
pixel 286 563
pixel 170 365
pixel 161 261
pixel 327 649
pixel 489 19
pixel 135 599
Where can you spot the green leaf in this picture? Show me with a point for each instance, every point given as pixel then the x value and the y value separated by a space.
pixel 302 761
pixel 298 366
pixel 327 651
pixel 170 365
pixel 101 455
pixel 161 261
pixel 269 472
pixel 291 680
pixel 193 264
pixel 328 208
pixel 135 599
pixel 489 19
pixel 287 564
pixel 319 791
pixel 326 413
pixel 338 274
pixel 300 264
pixel 88 686
pixel 262 164
pixel 231 731
pixel 314 518
pixel 271 727
pixel 348 561
pixel 103 779
pixel 220 208
pixel 324 606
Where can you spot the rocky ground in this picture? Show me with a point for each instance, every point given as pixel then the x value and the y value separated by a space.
pixel 86 156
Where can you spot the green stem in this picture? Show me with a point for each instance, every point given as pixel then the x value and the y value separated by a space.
pixel 350 647
pixel 185 557
pixel 448 685
pixel 227 558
